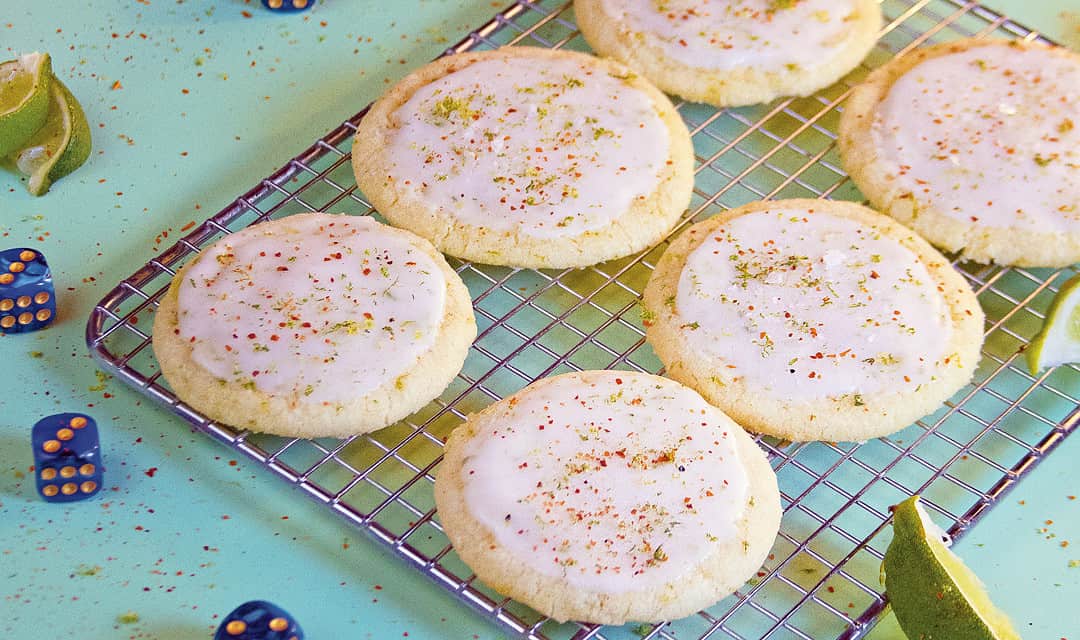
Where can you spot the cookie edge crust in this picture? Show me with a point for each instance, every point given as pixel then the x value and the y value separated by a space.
pixel 728 88
pixel 228 402
pixel 871 174
pixel 646 222
pixel 821 419
pixel 720 574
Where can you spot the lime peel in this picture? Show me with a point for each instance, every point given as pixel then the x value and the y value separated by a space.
pixel 934 595
pixel 60 146
pixel 1059 340
pixel 24 98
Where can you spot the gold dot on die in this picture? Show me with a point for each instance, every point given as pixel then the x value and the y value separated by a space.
pixel 26 317
pixel 78 422
pixel 27 255
pixel 65 434
pixel 7 322
pixel 50 490
pixel 279 624
pixel 7 304
pixel 236 627
pixel 67 472
pixel 16 267
pixel 43 314
pixel 48 474
pixel 41 297
pixel 275 4
pixel 23 302
pixel 6 278
pixel 299 4
pixel 88 486
pixel 51 446
pixel 87 469
pixel 69 488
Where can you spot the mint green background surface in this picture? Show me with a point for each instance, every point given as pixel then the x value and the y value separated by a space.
pixel 191 103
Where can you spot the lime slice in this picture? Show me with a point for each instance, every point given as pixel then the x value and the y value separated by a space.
pixel 1059 340
pixel 24 98
pixel 933 593
pixel 60 146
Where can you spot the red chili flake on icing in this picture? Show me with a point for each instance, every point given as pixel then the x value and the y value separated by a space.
pixel 150 472
pixel 282 268
pixel 874 275
pixel 366 271
pixel 618 380
pixel 368 316
pixel 251 336
pixel 274 337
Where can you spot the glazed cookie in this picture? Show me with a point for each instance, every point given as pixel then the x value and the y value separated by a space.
pixel 527 157
pixel 313 325
pixel 608 496
pixel 730 53
pixel 975 144
pixel 813 319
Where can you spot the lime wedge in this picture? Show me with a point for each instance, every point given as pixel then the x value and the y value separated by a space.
pixel 24 98
pixel 933 593
pixel 1059 340
pixel 60 146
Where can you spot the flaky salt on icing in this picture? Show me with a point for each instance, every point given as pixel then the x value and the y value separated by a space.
pixel 543 148
pixel 767 35
pixel 988 136
pixel 322 310
pixel 808 305
pixel 621 484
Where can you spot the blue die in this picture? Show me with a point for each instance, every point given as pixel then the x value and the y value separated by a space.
pixel 27 298
pixel 67 457
pixel 289 6
pixel 259 620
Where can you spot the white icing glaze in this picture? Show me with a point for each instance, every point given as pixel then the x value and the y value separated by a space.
pixel 809 305
pixel 621 484
pixel 314 308
pixel 546 148
pixel 765 35
pixel 990 136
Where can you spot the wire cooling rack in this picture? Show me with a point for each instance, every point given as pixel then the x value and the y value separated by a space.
pixel 821 579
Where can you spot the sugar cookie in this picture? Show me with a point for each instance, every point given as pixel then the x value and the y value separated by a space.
pixel 313 325
pixel 813 319
pixel 608 496
pixel 975 144
pixel 527 157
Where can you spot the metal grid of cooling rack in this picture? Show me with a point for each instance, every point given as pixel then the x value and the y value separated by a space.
pixel 821 580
